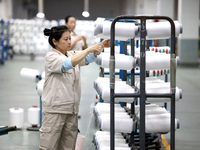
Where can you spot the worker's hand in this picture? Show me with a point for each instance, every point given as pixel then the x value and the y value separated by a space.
pixel 81 37
pixel 85 42
pixel 96 49
pixel 78 38
pixel 84 38
pixel 106 43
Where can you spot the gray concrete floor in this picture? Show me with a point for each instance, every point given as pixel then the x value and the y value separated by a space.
pixel 14 91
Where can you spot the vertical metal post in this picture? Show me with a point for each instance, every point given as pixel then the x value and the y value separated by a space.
pixel 132 84
pixel 166 75
pixel 40 111
pixel 142 82
pixel 133 54
pixel 166 80
pixel 172 133
pixel 150 42
pixel 133 73
pixel 173 90
pixel 3 49
pixel 112 87
pixel 172 84
pixel 123 73
pixel 2 40
pixel 123 50
pixel 137 43
pixel 124 78
pixel 112 102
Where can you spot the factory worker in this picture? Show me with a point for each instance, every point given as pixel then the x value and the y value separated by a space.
pixel 78 42
pixel 62 89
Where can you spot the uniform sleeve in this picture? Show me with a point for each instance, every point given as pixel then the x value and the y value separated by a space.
pixel 67 64
pixel 90 58
pixel 54 62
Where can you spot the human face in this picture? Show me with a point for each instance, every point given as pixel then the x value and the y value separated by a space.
pixel 71 24
pixel 64 44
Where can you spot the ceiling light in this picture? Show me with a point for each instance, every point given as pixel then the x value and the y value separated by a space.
pixel 40 15
pixel 85 14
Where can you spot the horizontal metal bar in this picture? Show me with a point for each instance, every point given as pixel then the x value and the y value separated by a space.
pixel 164 95
pixel 161 95
pixel 126 95
pixel 117 73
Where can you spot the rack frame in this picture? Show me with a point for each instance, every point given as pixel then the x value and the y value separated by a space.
pixel 142 94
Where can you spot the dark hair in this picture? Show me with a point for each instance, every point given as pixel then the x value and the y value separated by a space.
pixel 55 33
pixel 67 18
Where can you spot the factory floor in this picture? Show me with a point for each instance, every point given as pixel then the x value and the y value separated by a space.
pixel 15 91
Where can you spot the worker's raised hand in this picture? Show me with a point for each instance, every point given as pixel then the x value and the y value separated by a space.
pixel 77 38
pixel 96 49
pixel 106 43
pixel 84 38
pixel 99 49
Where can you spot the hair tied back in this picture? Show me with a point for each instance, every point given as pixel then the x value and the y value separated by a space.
pixel 47 32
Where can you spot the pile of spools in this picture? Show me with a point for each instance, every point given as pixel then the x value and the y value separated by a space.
pixel 34 112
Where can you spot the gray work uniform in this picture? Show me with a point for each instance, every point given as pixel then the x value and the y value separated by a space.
pixel 60 103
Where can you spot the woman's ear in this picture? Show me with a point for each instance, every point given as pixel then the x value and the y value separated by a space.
pixel 54 42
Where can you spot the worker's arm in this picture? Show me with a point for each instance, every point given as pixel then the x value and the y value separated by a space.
pixel 96 49
pixel 85 42
pixel 77 58
pixel 76 39
pixel 89 54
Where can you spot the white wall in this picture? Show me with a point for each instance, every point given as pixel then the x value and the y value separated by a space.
pixel 155 7
pixel 151 7
pixel 6 9
pixel 166 8
pixel 130 7
pixel 139 7
pixel 188 42
pixel 188 14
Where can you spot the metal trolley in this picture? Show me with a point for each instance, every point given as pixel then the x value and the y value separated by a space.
pixel 142 93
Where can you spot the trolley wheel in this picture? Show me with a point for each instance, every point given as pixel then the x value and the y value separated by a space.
pixel 11 56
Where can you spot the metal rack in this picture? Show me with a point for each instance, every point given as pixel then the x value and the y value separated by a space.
pixel 2 48
pixel 142 94
pixel 4 41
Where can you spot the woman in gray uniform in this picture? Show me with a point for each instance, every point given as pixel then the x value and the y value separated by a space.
pixel 79 42
pixel 62 89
